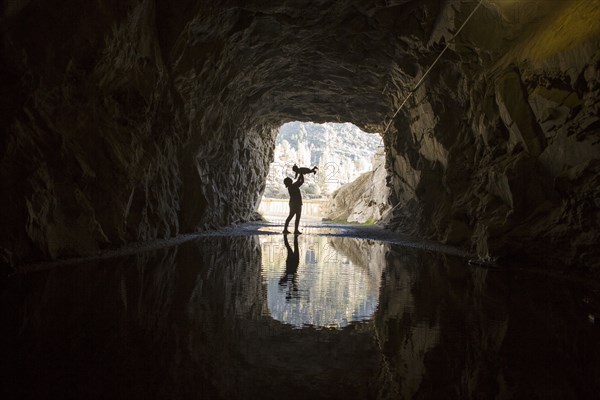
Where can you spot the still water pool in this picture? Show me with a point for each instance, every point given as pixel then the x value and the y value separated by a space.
pixel 325 282
pixel 265 317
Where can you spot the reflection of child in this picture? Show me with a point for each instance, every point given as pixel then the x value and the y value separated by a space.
pixel 303 170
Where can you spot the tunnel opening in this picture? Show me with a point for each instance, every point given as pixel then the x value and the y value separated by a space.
pixel 347 178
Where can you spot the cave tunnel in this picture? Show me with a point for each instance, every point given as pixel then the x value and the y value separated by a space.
pixel 128 123
pixel 131 122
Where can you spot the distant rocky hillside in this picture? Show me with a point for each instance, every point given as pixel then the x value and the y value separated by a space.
pixel 341 151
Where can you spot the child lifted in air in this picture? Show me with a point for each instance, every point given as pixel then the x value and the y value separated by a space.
pixel 303 170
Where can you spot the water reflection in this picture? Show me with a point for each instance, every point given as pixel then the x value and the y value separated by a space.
pixel 289 280
pixel 320 281
pixel 218 319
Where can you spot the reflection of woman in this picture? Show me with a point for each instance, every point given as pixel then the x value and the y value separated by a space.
pixel 291 268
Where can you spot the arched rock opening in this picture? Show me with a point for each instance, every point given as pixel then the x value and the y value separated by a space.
pixel 140 119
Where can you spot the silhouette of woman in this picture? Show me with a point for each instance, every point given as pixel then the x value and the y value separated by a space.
pixel 295 202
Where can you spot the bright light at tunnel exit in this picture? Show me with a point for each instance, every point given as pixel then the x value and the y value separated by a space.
pixel 341 152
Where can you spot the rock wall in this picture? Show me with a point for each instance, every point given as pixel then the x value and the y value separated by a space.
pixel 500 146
pixel 363 200
pixel 132 120
pixel 107 139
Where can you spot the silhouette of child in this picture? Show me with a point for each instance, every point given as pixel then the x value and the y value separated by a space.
pixel 303 170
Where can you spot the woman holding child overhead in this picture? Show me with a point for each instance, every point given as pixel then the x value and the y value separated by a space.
pixel 295 196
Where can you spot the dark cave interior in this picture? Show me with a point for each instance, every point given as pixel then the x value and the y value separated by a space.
pixel 130 121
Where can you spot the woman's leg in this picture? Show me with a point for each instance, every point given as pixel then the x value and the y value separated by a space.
pixel 298 215
pixel 287 221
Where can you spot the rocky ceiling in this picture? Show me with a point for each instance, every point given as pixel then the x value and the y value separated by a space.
pixel 126 121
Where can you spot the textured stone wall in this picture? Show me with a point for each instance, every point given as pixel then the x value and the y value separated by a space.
pixel 502 148
pixel 363 200
pixel 131 120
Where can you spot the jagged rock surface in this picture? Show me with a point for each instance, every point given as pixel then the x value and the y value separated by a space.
pixel 363 200
pixel 140 119
pixel 503 147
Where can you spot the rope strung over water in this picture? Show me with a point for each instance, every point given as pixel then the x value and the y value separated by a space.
pixel 431 67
